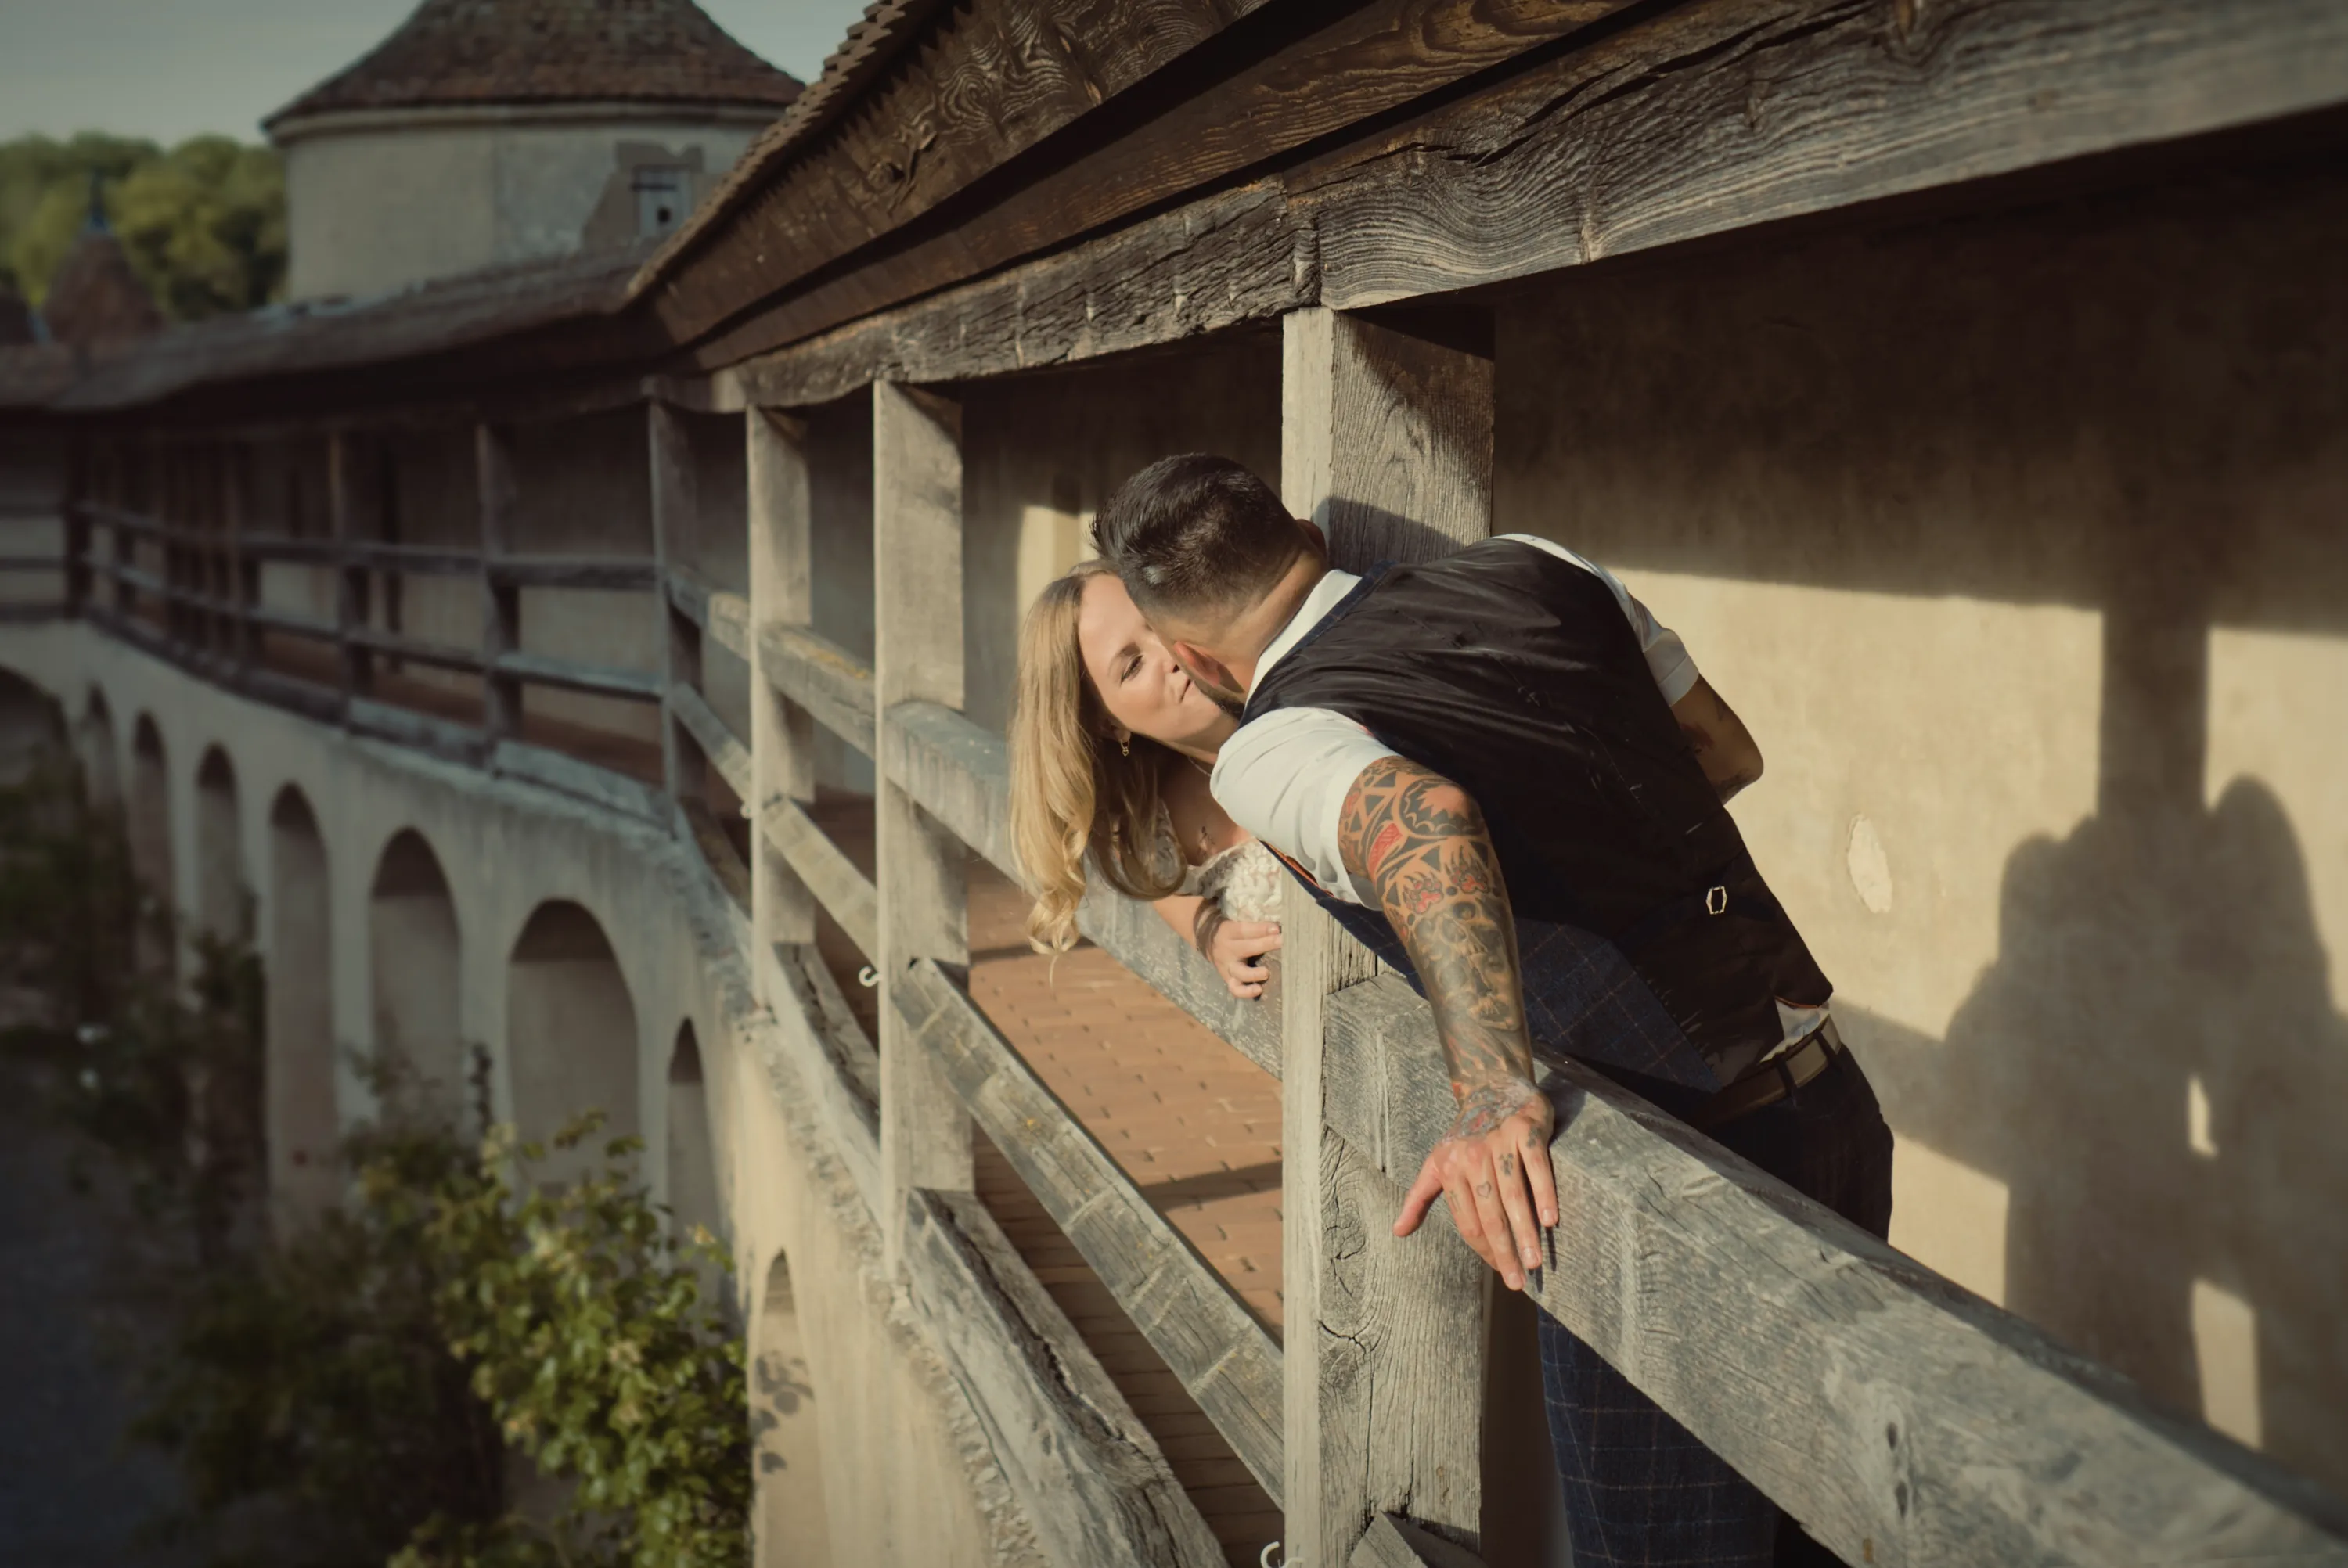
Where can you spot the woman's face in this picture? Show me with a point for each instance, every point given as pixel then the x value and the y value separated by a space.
pixel 1141 684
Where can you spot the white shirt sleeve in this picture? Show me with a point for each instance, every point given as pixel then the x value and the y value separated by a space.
pixel 1284 776
pixel 1667 656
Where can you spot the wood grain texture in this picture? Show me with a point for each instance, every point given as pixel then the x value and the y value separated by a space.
pixel 723 617
pixel 1207 1337
pixel 781 527
pixel 816 674
pixel 1366 63
pixel 917 538
pixel 1395 1542
pixel 1901 1420
pixel 825 870
pixel 1710 118
pixel 1228 260
pixel 960 774
pixel 1091 1478
pixel 1387 442
pixel 719 747
pixel 983 84
pixel 854 1061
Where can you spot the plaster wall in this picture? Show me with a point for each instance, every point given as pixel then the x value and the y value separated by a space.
pixel 381 201
pixel 906 1476
pixel 1041 454
pixel 2016 540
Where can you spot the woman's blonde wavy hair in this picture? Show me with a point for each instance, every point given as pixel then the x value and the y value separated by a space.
pixel 1073 792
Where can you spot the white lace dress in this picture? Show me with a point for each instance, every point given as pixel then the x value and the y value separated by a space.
pixel 1246 879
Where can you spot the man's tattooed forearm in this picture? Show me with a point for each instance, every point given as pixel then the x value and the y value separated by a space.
pixel 1420 842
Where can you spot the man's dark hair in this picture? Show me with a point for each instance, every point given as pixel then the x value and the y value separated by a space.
pixel 1196 533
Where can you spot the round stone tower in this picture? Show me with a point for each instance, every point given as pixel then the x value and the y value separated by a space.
pixel 486 132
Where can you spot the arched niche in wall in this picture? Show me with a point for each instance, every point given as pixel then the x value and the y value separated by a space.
pixel 221 902
pixel 30 727
pixel 148 822
pixel 792 1529
pixel 299 1080
pixel 691 1152
pixel 94 748
pixel 571 1032
pixel 414 965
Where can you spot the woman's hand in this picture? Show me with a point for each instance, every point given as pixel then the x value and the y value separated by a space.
pixel 1236 949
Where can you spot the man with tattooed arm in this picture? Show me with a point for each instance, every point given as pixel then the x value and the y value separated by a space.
pixel 1503 776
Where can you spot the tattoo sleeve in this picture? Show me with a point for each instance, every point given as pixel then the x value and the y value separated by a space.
pixel 1419 841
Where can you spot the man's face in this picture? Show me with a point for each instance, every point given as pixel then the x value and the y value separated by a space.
pixel 1196 644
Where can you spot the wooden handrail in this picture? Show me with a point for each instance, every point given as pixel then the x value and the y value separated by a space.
pixel 719 743
pixel 724 616
pixel 1209 1340
pixel 830 683
pixel 826 870
pixel 960 774
pixel 416 649
pixel 624 573
pixel 596 680
pixel 1899 1417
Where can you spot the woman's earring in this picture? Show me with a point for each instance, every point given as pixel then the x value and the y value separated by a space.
pixel 1124 745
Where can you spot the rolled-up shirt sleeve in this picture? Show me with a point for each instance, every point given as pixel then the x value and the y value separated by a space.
pixel 1285 778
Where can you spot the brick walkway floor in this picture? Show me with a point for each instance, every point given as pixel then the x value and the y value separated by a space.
pixel 1191 1120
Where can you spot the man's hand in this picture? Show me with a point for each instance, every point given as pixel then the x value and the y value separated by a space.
pixel 1419 840
pixel 1496 1155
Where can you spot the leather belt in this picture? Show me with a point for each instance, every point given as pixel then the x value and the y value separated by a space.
pixel 1771 1081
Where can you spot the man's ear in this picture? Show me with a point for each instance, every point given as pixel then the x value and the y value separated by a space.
pixel 1314 532
pixel 1212 673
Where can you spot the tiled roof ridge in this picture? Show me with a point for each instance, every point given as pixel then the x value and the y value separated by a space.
pixel 449 53
pixel 873 42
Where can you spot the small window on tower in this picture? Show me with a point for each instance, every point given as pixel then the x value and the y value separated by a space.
pixel 663 194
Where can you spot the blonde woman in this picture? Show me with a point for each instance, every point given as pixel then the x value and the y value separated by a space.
pixel 1111 745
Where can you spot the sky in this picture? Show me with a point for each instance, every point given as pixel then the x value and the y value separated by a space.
pixel 168 69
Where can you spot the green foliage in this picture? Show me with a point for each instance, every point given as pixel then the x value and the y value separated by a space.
pixel 582 1321
pixel 367 1386
pixel 203 224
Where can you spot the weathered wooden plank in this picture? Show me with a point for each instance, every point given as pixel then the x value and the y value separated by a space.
pixel 1393 1541
pixel 282 547
pixel 991 82
pixel 498 496
pixel 917 538
pixel 695 823
pixel 960 774
pixel 307 698
pixel 1091 1479
pixel 32 563
pixel 854 1061
pixel 413 560
pixel 719 745
pixel 1369 62
pixel 818 675
pixel 781 527
pixel 675 489
pixel 598 679
pixel 724 617
pixel 351 506
pixel 1387 442
pixel 621 573
pixel 416 649
pixel 125 520
pixel 1903 1421
pixel 405 727
pixel 826 871
pixel 1208 1340
pixel 584 781
pixel 1230 259
pixel 296 625
pixel 1710 118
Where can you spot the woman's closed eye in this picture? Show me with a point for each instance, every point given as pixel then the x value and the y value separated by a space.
pixel 1132 667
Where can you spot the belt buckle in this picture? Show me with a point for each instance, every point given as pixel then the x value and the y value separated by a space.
pixel 1715 901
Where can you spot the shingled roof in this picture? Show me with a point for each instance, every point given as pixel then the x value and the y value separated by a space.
pixel 455 53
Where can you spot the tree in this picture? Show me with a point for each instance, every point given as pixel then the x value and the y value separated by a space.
pixel 203 224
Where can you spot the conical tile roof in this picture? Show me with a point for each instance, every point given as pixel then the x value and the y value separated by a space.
pixel 454 53
pixel 95 296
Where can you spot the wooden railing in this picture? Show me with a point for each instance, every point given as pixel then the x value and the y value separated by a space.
pixel 1901 1420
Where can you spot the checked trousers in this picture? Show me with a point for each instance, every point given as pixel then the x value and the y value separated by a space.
pixel 1640 1491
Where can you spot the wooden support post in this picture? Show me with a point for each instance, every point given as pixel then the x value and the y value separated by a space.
pixel 81 480
pixel 241 585
pixel 130 492
pixel 917 640
pixel 493 471
pixel 350 501
pixel 674 504
pixel 1387 442
pixel 782 733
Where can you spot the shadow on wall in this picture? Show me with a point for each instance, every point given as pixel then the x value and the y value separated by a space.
pixel 2133 405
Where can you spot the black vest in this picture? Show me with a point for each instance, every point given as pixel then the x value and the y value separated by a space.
pixel 1515 674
